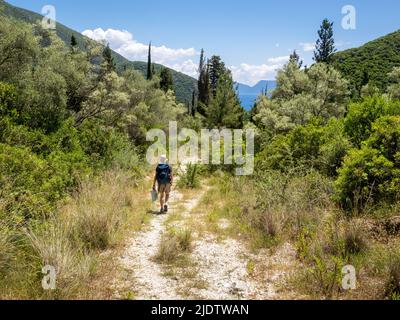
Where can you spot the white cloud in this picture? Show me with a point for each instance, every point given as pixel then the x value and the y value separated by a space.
pixel 123 42
pixel 307 46
pixel 182 59
pixel 252 74
pixel 276 60
pixel 187 67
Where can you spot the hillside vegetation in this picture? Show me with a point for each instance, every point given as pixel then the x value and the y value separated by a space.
pixel 370 63
pixel 184 84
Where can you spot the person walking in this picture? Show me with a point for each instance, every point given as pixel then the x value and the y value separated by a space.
pixel 164 180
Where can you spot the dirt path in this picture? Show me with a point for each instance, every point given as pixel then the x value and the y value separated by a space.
pixel 219 269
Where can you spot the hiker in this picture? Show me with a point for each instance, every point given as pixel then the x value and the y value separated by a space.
pixel 164 180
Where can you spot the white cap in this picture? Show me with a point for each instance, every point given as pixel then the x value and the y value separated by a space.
pixel 163 159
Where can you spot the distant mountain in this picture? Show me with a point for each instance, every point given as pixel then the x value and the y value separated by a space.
pixel 184 85
pixel 248 95
pixel 260 87
pixel 370 62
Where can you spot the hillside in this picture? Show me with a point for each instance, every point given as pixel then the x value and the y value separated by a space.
pixel 370 62
pixel 184 84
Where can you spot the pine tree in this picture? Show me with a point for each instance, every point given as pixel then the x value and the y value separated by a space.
pixel 296 58
pixel 149 65
pixel 166 80
pixel 108 59
pixel 325 45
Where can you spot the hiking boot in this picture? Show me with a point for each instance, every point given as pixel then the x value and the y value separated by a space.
pixel 166 208
pixel 161 210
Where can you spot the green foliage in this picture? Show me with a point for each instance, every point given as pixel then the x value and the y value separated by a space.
pixel 203 85
pixel 372 174
pixel 150 70
pixel 325 46
pixel 311 146
pixel 224 110
pixel 334 148
pixel 370 63
pixel 63 118
pixel 7 100
pixel 301 96
pixel 361 116
pixel 18 48
pixel 183 84
pixel 394 89
pixel 166 80
pixel 190 177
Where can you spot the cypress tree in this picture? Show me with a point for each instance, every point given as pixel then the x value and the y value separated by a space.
pixel 201 82
pixel 325 45
pixel 216 70
pixel 149 65
pixel 203 85
pixel 74 42
pixel 193 110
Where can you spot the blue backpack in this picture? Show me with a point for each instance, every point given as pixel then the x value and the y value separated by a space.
pixel 163 174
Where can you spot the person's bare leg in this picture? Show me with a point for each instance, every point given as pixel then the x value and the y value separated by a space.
pixel 162 194
pixel 166 197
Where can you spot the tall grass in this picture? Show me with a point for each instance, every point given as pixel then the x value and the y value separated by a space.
pixel 72 240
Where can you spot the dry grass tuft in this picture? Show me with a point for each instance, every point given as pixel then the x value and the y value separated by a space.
pixel 174 244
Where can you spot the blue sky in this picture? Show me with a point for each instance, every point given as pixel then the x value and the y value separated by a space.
pixel 254 37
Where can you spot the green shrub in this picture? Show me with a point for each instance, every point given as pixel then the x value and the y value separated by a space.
pixel 325 276
pixel 297 148
pixel 334 148
pixel 361 116
pixel 372 174
pixel 312 146
pixel 385 137
pixel 366 178
pixel 189 178
pixel 7 100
